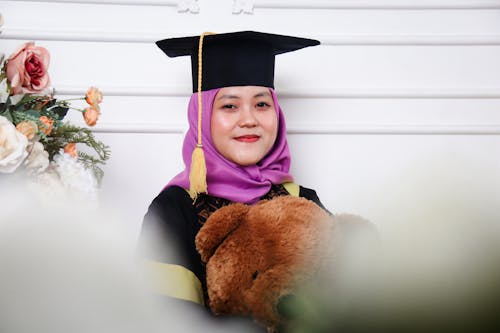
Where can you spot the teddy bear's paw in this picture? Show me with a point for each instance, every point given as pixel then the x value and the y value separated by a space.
pixel 217 227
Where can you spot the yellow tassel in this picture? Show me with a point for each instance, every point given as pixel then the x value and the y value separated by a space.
pixel 198 173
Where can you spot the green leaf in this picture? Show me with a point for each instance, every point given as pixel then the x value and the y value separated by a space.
pixel 33 113
pixel 7 114
pixel 26 102
pixel 19 116
pixel 7 103
pixel 26 98
pixel 60 111
pixel 51 103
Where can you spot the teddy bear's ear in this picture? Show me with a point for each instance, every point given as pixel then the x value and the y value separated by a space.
pixel 217 227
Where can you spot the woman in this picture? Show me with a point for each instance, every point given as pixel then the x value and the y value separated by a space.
pixel 237 134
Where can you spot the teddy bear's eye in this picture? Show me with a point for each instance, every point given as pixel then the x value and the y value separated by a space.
pixel 255 274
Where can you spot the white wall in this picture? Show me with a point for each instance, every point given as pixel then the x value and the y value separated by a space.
pixel 397 111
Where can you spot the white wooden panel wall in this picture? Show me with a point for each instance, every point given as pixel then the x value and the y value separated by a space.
pixel 397 112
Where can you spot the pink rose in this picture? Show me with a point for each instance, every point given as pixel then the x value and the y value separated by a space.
pixel 27 69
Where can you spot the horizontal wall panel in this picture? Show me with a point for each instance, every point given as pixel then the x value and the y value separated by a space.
pixel 317 129
pixel 144 23
pixel 378 22
pixel 321 93
pixel 90 17
pixel 379 67
pixel 350 112
pixel 379 4
pixel 325 68
pixel 138 114
pixel 171 3
pixel 397 129
pixel 322 4
pixel 331 40
pixel 83 64
pixel 312 116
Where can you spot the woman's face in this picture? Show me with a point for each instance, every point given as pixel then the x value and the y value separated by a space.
pixel 244 123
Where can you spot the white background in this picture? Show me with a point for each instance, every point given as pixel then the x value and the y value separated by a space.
pixel 396 114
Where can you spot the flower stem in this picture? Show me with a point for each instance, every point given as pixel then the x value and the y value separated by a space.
pixel 74 99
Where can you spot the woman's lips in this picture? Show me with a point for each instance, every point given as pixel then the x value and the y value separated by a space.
pixel 247 138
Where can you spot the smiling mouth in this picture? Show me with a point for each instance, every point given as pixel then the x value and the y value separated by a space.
pixel 247 138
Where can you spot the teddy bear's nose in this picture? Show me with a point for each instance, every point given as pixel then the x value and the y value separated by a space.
pixel 288 306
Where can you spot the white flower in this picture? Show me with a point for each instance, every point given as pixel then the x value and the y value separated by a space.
pixel 4 93
pixel 49 183
pixel 75 176
pixel 12 146
pixel 66 182
pixel 38 158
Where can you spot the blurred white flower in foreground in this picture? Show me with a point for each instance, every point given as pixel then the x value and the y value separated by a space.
pixel 38 158
pixel 67 269
pixel 12 146
pixel 75 176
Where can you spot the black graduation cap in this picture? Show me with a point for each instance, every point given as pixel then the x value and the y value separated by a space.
pixel 244 58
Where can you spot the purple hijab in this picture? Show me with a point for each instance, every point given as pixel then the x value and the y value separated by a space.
pixel 226 179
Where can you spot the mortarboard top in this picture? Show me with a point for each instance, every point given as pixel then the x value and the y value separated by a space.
pixel 244 58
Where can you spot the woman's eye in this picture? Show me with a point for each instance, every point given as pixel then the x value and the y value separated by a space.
pixel 263 105
pixel 228 106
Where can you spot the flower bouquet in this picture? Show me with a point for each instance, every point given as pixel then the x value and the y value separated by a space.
pixel 35 141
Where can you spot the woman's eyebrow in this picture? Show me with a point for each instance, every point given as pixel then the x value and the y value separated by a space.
pixel 263 93
pixel 228 97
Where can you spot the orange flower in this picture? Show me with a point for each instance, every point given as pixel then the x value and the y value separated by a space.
pixel 91 114
pixel 47 125
pixel 28 128
pixel 70 149
pixel 93 96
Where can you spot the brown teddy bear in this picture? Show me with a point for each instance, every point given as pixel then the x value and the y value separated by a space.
pixel 256 256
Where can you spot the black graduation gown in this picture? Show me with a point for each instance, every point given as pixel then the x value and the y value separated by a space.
pixel 167 240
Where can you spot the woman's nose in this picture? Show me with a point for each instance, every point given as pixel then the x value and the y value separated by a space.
pixel 247 118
